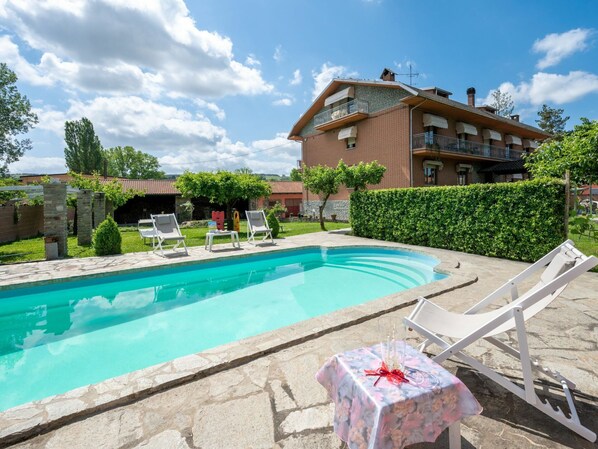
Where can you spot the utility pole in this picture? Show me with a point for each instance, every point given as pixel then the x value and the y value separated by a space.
pixel 411 75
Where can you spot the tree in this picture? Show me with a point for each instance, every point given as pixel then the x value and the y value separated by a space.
pixel 295 174
pixel 223 187
pixel 83 153
pixel 577 152
pixel 15 118
pixel 127 162
pixel 502 102
pixel 552 121
pixel 359 176
pixel 8 195
pixel 323 181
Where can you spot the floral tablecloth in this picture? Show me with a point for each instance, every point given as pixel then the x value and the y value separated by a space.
pixel 389 416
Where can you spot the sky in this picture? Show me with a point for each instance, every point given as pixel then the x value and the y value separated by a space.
pixel 218 84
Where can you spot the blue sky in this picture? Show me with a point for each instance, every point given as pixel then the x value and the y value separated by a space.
pixel 215 84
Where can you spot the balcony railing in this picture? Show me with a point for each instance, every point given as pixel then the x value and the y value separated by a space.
pixel 458 146
pixel 338 112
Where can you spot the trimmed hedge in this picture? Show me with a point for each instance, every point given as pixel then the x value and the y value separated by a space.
pixel 521 220
pixel 273 223
pixel 107 239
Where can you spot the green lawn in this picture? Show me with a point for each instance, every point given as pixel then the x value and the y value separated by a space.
pixel 33 249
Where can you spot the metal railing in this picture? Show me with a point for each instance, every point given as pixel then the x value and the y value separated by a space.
pixel 351 107
pixel 454 145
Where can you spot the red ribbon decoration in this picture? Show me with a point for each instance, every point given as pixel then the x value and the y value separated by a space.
pixel 395 376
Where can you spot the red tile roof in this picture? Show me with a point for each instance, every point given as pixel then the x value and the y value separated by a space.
pixel 286 186
pixel 149 186
pixel 164 186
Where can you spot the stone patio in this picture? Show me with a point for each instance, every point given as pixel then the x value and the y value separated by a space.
pixel 273 400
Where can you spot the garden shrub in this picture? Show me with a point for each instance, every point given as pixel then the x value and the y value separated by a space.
pixel 273 224
pixel 107 239
pixel 521 221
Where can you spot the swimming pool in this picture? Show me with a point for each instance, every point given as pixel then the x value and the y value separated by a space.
pixel 57 337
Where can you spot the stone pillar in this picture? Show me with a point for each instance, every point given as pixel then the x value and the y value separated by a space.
pixel 99 208
pixel 55 220
pixel 84 217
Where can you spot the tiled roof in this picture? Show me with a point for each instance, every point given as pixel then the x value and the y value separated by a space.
pixel 149 186
pixel 286 186
pixel 415 93
pixel 166 186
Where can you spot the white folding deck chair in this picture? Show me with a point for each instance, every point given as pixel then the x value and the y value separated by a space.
pixel 437 325
pixel 167 230
pixel 257 224
pixel 147 232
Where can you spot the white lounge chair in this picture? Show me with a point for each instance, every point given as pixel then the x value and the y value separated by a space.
pixel 563 264
pixel 167 230
pixel 256 225
pixel 146 232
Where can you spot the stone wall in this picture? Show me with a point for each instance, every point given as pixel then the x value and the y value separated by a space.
pixel 99 208
pixel 340 208
pixel 84 224
pixel 55 211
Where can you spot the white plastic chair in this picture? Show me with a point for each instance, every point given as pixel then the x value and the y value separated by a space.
pixel 257 225
pixel 166 229
pixel 437 325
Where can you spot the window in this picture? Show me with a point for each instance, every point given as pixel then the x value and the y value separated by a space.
pixel 351 142
pixel 429 136
pixel 487 144
pixel 430 176
pixel 508 148
pixel 462 140
pixel 462 177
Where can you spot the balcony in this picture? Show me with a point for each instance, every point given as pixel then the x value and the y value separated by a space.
pixel 343 114
pixel 433 145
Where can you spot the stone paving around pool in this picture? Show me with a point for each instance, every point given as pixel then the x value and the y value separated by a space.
pixel 273 400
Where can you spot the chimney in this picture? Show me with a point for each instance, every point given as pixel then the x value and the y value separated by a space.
pixel 515 117
pixel 387 75
pixel 471 96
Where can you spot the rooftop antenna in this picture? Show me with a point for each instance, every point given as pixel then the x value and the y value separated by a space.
pixel 411 75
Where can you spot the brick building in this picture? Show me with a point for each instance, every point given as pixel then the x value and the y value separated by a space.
pixel 420 135
pixel 287 193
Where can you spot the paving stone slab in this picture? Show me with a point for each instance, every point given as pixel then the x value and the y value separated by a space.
pixel 237 424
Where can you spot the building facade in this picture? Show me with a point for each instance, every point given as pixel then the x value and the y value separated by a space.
pixel 287 193
pixel 421 136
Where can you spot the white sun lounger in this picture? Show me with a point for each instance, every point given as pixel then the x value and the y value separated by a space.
pixel 146 232
pixel 256 225
pixel 437 325
pixel 167 230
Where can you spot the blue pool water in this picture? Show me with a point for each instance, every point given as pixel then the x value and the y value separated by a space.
pixel 57 337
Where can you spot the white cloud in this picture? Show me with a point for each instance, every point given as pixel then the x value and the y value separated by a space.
pixel 558 46
pixel 251 60
pixel 276 155
pixel 219 113
pixel 182 140
pixel 283 102
pixel 278 53
pixel 297 78
pixel 550 88
pixel 138 47
pixel 326 74
pixel 30 164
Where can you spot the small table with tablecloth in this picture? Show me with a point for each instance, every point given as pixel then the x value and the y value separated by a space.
pixel 393 415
